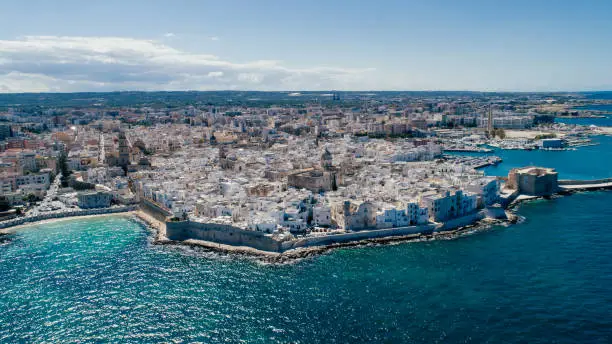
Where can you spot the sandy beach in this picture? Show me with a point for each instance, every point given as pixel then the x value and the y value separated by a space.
pixel 68 218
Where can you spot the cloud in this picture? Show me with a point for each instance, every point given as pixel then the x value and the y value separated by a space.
pixel 65 64
pixel 214 38
pixel 215 74
pixel 251 78
pixel 169 35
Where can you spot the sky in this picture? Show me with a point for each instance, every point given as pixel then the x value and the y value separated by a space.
pixel 273 45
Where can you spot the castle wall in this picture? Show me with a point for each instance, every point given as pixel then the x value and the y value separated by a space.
pixel 219 233
pixel 154 210
pixel 355 236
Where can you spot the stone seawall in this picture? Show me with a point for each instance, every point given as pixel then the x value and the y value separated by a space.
pixel 222 234
pixel 584 182
pixel 233 236
pixel 355 236
pixel 229 235
pixel 462 221
pixel 154 210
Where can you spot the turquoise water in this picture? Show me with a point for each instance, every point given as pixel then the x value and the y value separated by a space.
pixel 546 280
pixel 591 162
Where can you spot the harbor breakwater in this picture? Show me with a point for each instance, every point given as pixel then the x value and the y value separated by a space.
pixel 563 182
pixel 584 185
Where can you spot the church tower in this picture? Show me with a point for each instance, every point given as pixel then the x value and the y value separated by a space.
pixel 124 151
pixel 327 160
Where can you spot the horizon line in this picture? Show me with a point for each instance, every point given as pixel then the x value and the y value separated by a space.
pixel 304 91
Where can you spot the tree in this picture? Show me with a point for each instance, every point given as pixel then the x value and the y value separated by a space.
pixel 4 203
pixel 64 169
pixel 32 198
pixel 501 133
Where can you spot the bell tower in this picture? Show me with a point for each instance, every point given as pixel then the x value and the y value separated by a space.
pixel 327 160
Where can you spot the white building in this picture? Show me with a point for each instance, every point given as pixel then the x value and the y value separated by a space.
pixel 447 206
pixel 507 122
pixel 263 224
pixel 34 178
pixel 321 215
pixel 28 161
pixel 412 215
pixel 487 189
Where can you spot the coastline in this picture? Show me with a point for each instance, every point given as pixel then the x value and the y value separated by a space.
pixel 294 255
pixel 297 254
pixel 157 235
pixel 583 116
pixel 157 227
pixel 300 253
pixel 10 228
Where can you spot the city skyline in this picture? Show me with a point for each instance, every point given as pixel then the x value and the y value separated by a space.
pixel 273 46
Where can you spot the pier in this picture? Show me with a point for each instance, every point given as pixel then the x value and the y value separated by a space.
pixel 475 162
pixel 583 185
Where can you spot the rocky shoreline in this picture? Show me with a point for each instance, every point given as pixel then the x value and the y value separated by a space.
pixel 295 255
pixel 157 237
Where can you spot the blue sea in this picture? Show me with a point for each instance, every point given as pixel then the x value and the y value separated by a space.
pixel 596 107
pixel 545 280
pixel 590 162
pixel 599 95
pixel 600 122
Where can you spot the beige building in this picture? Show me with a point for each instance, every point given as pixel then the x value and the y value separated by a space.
pixel 325 178
pixel 533 181
pixel 351 216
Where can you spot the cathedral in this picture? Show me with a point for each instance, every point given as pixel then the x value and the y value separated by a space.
pixel 324 178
